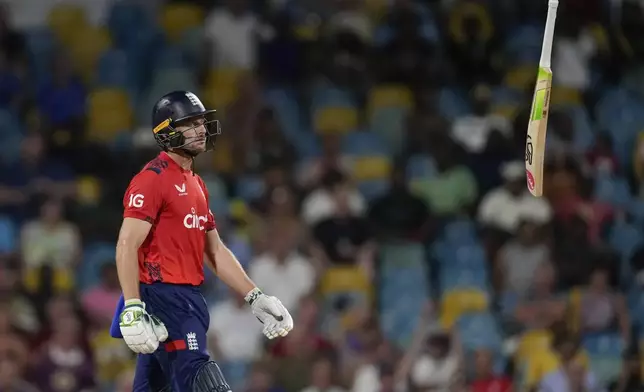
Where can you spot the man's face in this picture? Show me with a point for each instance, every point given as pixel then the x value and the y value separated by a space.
pixel 194 133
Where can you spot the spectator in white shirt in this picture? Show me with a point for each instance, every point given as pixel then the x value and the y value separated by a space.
pixel 283 272
pixel 573 51
pixel 503 208
pixel 472 131
pixel 321 204
pixel 232 31
pixel 234 334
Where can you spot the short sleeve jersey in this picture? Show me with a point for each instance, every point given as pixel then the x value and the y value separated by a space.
pixel 175 202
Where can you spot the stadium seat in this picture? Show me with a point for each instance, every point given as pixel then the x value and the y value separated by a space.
pixel 457 303
pixel 565 97
pixel 169 79
pixel 250 187
pixel 376 9
pixel 452 103
pixel 402 255
pixel 584 128
pixel 9 124
pixel 389 123
pixel 636 306
pixel 625 238
pixel 170 57
pixel 345 279
pixel 115 70
pixel 605 354
pixel 87 47
pixel 364 143
pixel 507 111
pixel 177 18
pixel 503 95
pixel 285 104
pixel 62 279
pixel 324 95
pixel 41 44
pixel 524 44
pixel 222 86
pixel 460 231
pixel 508 302
pixel 636 211
pixel 192 44
pixel 389 96
pixel 8 236
pixel 112 356
pixel 394 280
pixel 343 288
pixel 613 190
pixel 223 160
pixel 521 78
pixel 67 20
pixel 420 166
pixel 109 113
pixel 336 120
pixel 369 168
pixel 125 20
pixel 462 254
pixel 94 257
pixel 400 319
pixel 372 189
pixel 479 331
pixel 307 145
pixel 428 28
pixel 89 190
pixel 456 277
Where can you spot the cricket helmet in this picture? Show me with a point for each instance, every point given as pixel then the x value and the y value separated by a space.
pixel 182 108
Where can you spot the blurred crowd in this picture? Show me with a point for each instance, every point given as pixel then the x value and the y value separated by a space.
pixel 370 174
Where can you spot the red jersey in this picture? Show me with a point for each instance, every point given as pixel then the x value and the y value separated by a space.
pixel 175 201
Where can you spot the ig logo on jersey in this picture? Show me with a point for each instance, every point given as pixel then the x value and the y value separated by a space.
pixel 194 221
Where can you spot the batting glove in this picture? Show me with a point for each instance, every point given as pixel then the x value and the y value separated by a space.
pixel 271 312
pixel 141 331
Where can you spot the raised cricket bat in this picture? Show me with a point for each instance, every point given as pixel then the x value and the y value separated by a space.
pixel 535 146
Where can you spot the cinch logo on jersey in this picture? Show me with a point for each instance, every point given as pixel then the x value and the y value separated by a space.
pixel 194 221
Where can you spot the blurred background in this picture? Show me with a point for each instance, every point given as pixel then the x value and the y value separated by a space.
pixel 370 174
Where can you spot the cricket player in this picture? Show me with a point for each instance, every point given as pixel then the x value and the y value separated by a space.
pixel 167 229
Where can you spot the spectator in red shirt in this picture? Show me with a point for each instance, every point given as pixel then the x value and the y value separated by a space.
pixel 485 380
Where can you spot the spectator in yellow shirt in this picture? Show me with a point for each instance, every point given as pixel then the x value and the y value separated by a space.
pixel 565 347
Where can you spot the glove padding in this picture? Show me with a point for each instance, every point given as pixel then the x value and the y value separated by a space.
pixel 271 312
pixel 141 331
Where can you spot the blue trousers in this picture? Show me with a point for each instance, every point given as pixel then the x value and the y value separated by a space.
pixel 184 312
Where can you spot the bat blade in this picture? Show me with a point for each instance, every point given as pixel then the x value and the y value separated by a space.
pixel 535 147
pixel 537 128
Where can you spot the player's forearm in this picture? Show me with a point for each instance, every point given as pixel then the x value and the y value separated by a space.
pixel 226 266
pixel 127 266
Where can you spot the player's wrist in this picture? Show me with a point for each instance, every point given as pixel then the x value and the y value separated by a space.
pixel 253 295
pixel 134 302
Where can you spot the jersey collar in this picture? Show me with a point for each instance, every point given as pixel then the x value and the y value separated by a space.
pixel 172 163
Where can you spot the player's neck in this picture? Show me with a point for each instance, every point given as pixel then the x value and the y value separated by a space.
pixel 184 161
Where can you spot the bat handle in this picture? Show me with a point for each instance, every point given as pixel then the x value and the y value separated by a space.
pixel 553 3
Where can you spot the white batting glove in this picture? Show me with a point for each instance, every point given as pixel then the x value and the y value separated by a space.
pixel 141 331
pixel 271 312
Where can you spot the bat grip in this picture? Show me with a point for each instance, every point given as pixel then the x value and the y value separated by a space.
pixel 548 34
